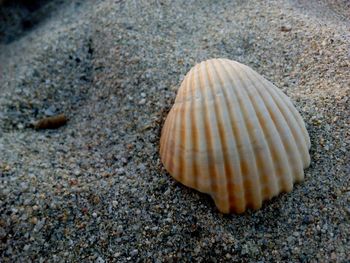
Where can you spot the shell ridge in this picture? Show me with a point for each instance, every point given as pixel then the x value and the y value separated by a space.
pixel 172 144
pixel 194 136
pixel 238 134
pixel 299 153
pixel 165 134
pixel 280 152
pixel 170 131
pixel 200 122
pixel 256 201
pixel 214 141
pixel 291 147
pixel 302 132
pixel 277 118
pixel 162 138
pixel 259 105
pixel 302 153
pixel 176 130
pixel 181 91
pixel 298 158
pixel 208 142
pixel 183 134
pixel 292 108
pixel 234 136
pixel 296 115
pixel 261 163
pixel 222 136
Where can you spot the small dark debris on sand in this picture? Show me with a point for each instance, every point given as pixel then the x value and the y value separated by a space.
pixel 53 122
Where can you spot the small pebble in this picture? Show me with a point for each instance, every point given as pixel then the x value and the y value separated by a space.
pixel 100 260
pixel 142 101
pixel 134 252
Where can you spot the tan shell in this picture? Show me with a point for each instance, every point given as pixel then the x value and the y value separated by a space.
pixel 234 135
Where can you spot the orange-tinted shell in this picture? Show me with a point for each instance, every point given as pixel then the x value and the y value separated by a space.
pixel 234 135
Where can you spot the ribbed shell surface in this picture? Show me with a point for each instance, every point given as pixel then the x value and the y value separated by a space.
pixel 234 135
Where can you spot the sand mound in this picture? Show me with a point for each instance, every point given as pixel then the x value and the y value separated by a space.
pixel 95 189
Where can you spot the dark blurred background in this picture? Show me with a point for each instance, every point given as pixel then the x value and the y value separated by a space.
pixel 20 16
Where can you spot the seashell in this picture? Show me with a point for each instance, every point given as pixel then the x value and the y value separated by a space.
pixel 234 135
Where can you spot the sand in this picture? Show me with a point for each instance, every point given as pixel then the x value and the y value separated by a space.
pixel 94 190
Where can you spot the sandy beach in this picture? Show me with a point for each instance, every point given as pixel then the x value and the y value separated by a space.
pixel 95 190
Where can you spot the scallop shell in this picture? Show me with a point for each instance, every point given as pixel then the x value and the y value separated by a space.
pixel 234 135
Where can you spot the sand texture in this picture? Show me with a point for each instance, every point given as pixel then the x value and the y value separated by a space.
pixel 94 190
